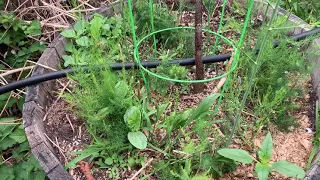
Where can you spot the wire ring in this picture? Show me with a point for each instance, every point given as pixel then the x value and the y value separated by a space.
pixel 228 41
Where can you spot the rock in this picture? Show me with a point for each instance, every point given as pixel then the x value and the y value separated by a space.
pixel 306 144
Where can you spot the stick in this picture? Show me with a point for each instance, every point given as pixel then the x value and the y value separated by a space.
pixel 198 87
pixel 70 123
pixel 223 80
pixel 138 172
pixel 61 150
pixel 15 70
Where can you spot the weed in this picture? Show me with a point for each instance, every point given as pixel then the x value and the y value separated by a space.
pixel 101 36
pixel 13 143
pixel 173 72
pixel 102 100
pixel 263 165
pixel 307 10
pixel 278 82
pixel 16 48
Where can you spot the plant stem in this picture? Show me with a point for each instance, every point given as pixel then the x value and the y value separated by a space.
pixel 253 74
pixel 198 87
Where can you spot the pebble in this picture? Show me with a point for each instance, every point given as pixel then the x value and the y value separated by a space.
pixel 309 131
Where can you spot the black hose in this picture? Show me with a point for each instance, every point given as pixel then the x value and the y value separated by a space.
pixel 117 66
pixel 129 65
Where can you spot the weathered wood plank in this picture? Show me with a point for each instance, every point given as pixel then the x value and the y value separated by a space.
pixel 35 135
pixel 58 173
pixel 32 114
pixel 58 44
pixel 45 157
pixel 40 93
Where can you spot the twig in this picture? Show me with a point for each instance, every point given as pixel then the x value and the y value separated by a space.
pixel 6 63
pixel 20 5
pixel 218 129
pixel 5 9
pixel 223 80
pixel 51 24
pixel 6 160
pixel 244 112
pixel 42 65
pixel 141 169
pixel 5 105
pixel 55 102
pixel 15 70
pixel 70 123
pixel 61 150
pixel 11 121
pixel 79 132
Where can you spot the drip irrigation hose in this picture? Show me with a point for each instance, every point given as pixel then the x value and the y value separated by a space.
pixel 130 65
pixel 117 66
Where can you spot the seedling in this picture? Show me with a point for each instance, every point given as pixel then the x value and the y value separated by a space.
pixel 263 164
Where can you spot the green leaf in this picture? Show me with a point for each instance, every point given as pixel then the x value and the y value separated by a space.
pixel 132 118
pixel 236 155
pixel 69 47
pixel 21 150
pixel 7 143
pixel 295 6
pixel 108 161
pixel 95 27
pixel 122 89
pixel 160 110
pixel 6 129
pixel 137 139
pixel 103 112
pixel 68 33
pixel 20 103
pixel 263 171
pixel 4 98
pixel 68 60
pixel 204 106
pixel 37 47
pixel 289 169
pixel 79 27
pixel 34 28
pixel 18 135
pixel 106 27
pixel 83 154
pixel 265 152
pixel 83 41
pixel 6 172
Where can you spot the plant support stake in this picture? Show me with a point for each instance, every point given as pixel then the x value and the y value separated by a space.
pixel 198 87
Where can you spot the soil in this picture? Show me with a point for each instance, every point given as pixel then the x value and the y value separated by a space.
pixel 294 146
pixel 69 134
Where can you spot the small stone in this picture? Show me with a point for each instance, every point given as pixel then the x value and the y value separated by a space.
pixel 257 142
pixel 306 144
pixel 250 175
pixel 309 131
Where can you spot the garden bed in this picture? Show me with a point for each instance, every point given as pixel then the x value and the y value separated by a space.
pixel 54 131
